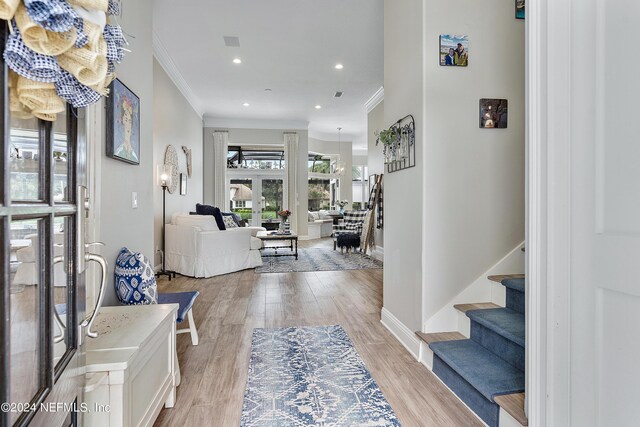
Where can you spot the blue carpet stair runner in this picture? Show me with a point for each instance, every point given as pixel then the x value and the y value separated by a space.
pixel 492 362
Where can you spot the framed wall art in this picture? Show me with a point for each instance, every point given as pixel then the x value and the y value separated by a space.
pixel 123 124
pixel 454 50
pixel 494 113
pixel 520 10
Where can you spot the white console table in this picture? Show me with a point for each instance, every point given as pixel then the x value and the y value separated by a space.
pixel 132 366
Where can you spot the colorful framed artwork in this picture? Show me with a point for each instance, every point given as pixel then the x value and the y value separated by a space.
pixel 123 124
pixel 494 113
pixel 454 50
pixel 520 10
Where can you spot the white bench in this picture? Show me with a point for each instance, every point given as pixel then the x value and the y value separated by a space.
pixel 320 228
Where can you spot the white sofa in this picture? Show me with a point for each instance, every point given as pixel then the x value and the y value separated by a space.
pixel 195 247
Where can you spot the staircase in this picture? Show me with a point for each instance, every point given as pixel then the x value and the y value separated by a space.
pixel 486 371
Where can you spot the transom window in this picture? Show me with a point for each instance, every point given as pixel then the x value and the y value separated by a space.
pixel 250 158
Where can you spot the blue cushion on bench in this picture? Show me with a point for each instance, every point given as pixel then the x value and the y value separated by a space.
pixel 184 299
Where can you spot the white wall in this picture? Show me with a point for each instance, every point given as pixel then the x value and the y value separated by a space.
pixel 346 154
pixel 239 136
pixel 375 158
pixel 403 47
pixel 360 160
pixel 120 225
pixel 473 178
pixel 177 124
pixel 461 209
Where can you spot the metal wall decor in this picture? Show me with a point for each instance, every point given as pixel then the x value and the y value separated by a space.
pixel 399 142
pixel 171 158
pixel 187 152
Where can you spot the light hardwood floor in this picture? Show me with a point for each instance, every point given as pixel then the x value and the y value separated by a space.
pixel 229 307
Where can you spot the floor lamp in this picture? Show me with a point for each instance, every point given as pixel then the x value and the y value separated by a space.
pixel 165 172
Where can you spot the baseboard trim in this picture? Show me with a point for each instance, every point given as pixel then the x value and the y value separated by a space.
pixel 304 238
pixel 406 336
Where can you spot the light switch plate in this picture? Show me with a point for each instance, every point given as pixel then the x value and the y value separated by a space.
pixel 134 200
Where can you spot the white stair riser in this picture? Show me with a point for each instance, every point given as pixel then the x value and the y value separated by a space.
pixel 498 294
pixel 426 355
pixel 507 420
pixel 464 324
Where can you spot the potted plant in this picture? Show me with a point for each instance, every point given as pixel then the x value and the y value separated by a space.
pixel 390 139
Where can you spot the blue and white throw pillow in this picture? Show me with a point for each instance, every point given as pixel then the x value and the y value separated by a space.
pixel 229 222
pixel 135 280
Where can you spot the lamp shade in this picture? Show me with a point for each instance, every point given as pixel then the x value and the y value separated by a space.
pixel 165 173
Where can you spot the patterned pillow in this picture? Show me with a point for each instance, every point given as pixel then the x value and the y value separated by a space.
pixel 135 280
pixel 236 218
pixel 229 221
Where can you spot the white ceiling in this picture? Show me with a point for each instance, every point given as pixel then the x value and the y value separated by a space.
pixel 289 46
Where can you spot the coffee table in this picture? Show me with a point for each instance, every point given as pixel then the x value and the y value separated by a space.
pixel 270 236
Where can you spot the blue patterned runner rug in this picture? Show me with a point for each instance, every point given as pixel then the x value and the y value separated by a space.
pixel 311 377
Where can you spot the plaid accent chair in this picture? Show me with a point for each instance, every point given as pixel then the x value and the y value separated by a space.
pixel 351 224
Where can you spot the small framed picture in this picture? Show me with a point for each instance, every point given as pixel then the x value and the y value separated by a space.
pixel 123 124
pixel 183 184
pixel 520 11
pixel 494 113
pixel 454 50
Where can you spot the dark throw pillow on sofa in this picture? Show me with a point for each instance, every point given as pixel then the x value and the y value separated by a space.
pixel 210 210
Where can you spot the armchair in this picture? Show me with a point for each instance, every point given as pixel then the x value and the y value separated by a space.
pixel 352 223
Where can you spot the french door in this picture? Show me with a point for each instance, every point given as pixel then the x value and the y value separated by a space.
pixel 257 198
pixel 42 301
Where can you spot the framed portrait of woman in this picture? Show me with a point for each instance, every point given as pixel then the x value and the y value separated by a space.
pixel 123 124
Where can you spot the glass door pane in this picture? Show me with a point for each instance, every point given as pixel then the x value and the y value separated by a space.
pixel 272 198
pixel 26 238
pixel 62 233
pixel 241 198
pixel 62 161
pixel 24 157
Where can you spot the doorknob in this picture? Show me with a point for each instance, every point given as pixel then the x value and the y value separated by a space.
pixel 103 263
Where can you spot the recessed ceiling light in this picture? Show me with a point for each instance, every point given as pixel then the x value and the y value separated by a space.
pixel 246 104
pixel 318 107
pixel 268 90
pixel 237 61
pixel 339 66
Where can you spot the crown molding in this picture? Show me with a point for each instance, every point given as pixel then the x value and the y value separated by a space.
pixel 167 64
pixel 376 99
pixel 221 122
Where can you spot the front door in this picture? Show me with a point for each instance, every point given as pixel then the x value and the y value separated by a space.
pixel 42 302
pixel 586 182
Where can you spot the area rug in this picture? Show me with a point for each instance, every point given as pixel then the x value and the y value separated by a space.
pixel 317 259
pixel 310 377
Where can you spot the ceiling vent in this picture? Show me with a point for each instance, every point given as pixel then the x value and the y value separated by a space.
pixel 338 94
pixel 231 41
